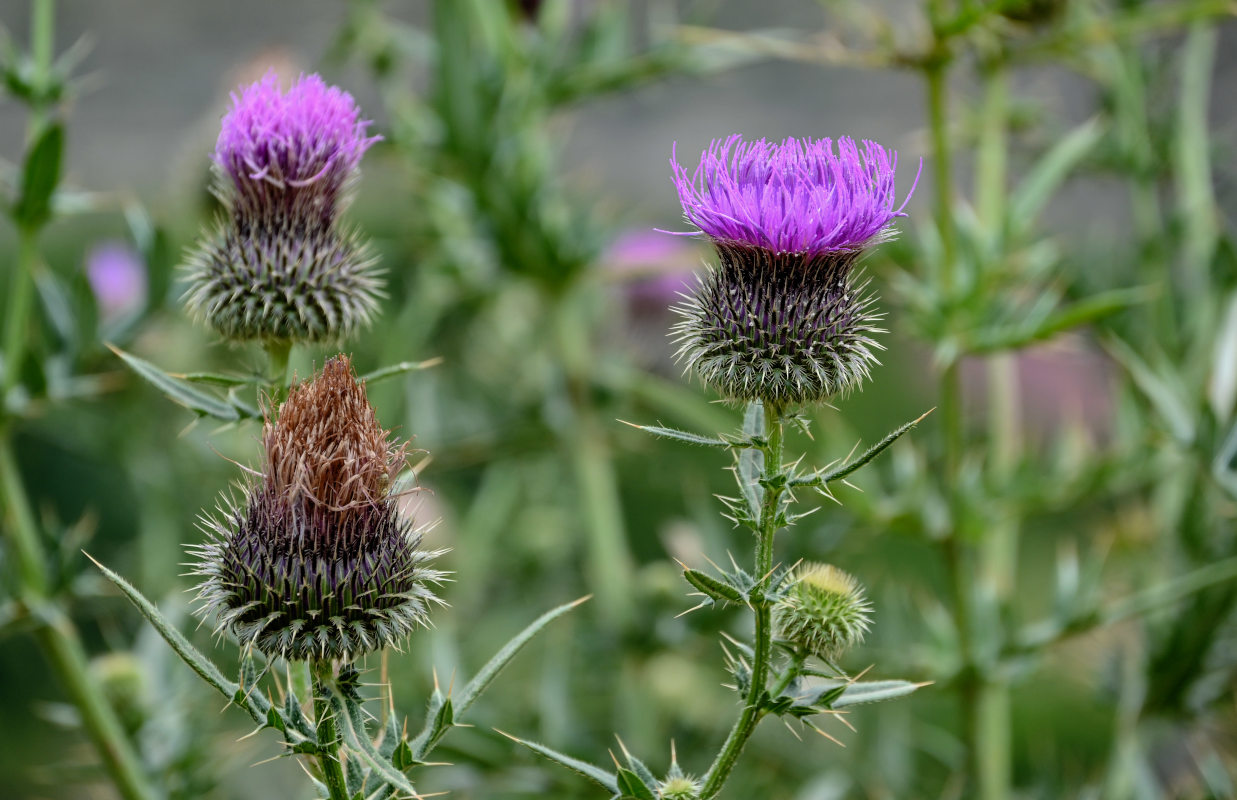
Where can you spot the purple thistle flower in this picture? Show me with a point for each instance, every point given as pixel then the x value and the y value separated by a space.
pixel 781 318
pixel 793 197
pixel 278 266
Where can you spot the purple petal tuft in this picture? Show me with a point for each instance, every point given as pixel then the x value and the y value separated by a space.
pixel 795 197
pixel 311 133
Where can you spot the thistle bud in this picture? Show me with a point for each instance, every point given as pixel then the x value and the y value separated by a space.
pixel 824 611
pixel 782 317
pixel 278 266
pixel 679 788
pixel 319 561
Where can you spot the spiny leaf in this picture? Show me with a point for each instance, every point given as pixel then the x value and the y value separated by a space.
pixel 490 671
pixel 593 773
pixel 836 474
pixel 712 587
pixel 874 691
pixel 677 435
pixel 402 368
pixel 253 702
pixel 180 391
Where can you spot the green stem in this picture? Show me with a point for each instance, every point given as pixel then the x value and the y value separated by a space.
pixel 58 638
pixel 42 51
pixel 753 710
pixel 278 353
pixel 329 761
pixel 938 110
pixel 21 293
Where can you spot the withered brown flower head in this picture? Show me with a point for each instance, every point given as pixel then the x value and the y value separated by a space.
pixel 326 444
pixel 319 562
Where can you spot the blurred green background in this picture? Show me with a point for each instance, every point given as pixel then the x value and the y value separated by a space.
pixel 1053 546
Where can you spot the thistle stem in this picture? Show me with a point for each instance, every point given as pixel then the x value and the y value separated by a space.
pixel 753 708
pixel 21 293
pixel 278 353
pixel 329 761
pixel 58 638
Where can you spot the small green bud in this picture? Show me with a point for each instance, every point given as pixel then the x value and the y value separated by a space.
pixel 124 681
pixel 680 788
pixel 824 611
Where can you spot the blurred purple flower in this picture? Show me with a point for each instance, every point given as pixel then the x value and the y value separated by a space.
pixel 655 267
pixel 310 137
pixel 117 276
pixel 795 197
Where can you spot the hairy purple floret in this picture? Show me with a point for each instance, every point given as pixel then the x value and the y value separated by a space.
pixel 274 143
pixel 799 196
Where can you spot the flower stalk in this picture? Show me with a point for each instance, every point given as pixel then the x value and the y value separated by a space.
pixel 745 726
pixel 329 760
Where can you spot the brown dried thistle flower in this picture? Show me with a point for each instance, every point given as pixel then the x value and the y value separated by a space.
pixel 319 562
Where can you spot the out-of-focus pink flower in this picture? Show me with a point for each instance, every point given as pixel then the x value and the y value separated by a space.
pixel 655 267
pixel 117 276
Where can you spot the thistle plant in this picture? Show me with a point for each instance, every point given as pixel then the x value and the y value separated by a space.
pixel 779 325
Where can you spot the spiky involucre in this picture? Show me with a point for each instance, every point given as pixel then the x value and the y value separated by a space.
pixel 319 561
pixel 278 266
pixel 786 328
pixel 283 283
pixel 681 787
pixel 823 610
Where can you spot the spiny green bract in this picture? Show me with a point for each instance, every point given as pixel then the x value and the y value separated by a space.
pixel 785 328
pixel 824 611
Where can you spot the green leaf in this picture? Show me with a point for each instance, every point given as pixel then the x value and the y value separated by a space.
pixel 203 666
pixel 217 379
pixel 1046 177
pixel 712 587
pixel 490 671
pixel 39 177
pixel 630 785
pixel 355 735
pixel 1164 394
pixel 681 436
pixel 180 391
pixel 837 473
pixel 56 305
pixel 593 773
pixel 402 368
pixel 1075 315
pixel 874 692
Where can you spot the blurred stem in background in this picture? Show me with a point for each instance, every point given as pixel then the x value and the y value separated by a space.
pixel 53 628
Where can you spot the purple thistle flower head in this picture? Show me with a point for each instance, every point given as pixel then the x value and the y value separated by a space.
pixel 782 319
pixel 793 197
pixel 307 141
pixel 278 267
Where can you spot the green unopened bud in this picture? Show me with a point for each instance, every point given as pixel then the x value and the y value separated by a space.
pixel 681 788
pixel 124 682
pixel 824 611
